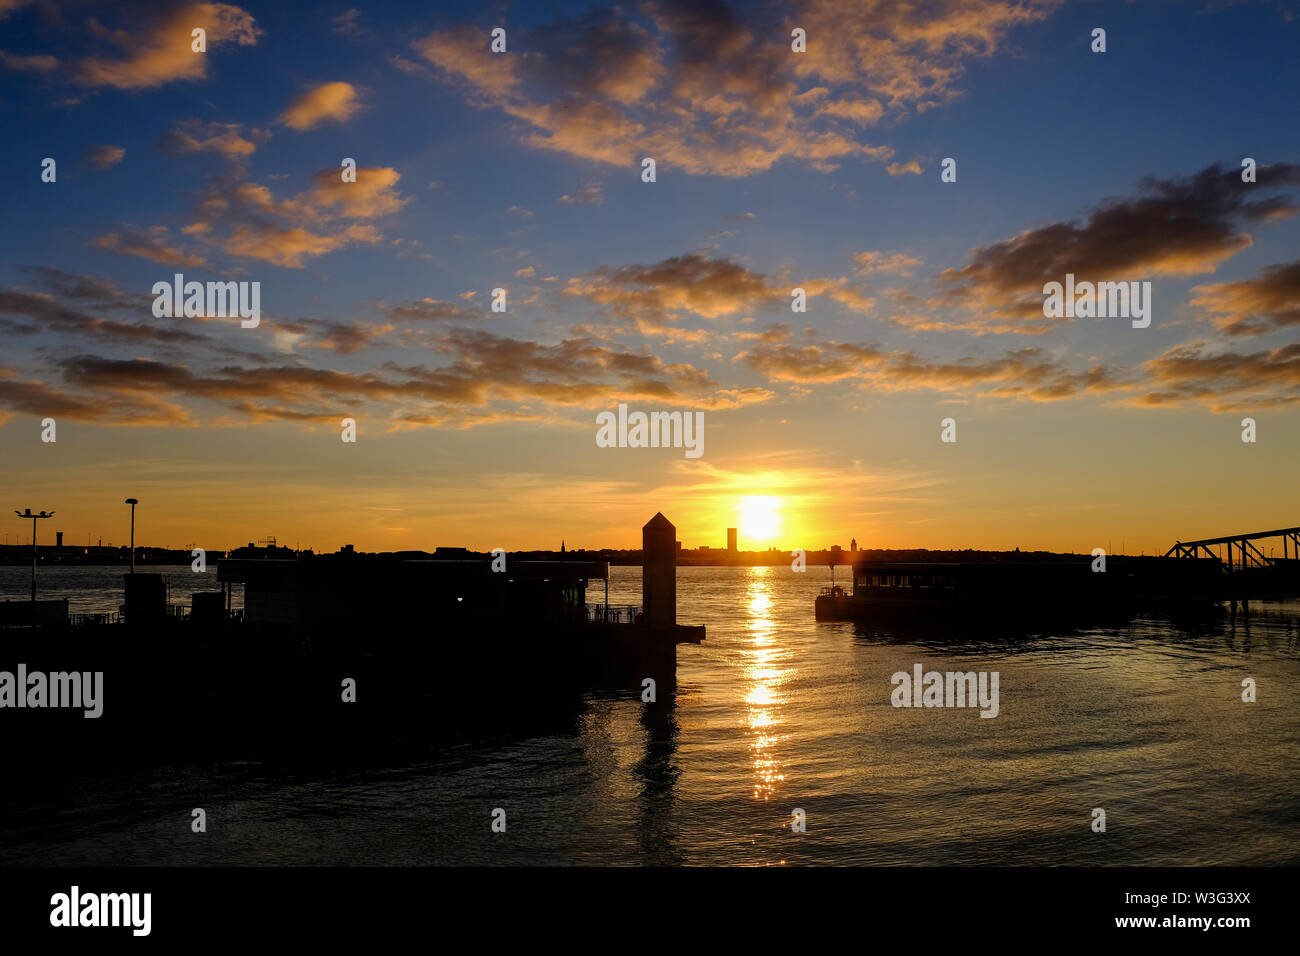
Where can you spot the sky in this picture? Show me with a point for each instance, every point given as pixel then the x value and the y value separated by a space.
pixel 522 170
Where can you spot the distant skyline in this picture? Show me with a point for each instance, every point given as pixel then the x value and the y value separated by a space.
pixel 774 170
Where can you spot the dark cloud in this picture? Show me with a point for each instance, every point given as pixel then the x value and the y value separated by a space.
pixel 434 310
pixel 54 315
pixel 152 244
pixel 486 378
pixel 1173 227
pixel 692 282
pixel 90 290
pixel 346 338
pixel 1022 374
pixel 1254 306
pixel 40 399
pixel 1226 381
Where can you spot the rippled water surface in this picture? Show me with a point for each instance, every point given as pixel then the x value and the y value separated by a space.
pixel 774 712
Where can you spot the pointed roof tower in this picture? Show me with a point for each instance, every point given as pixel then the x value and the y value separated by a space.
pixel 658 521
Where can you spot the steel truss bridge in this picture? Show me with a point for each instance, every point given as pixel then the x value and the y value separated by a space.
pixel 1241 550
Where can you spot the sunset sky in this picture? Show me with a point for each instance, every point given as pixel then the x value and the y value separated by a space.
pixel 775 169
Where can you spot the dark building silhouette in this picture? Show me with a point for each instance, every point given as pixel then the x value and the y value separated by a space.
pixel 359 592
pixel 731 540
pixel 659 572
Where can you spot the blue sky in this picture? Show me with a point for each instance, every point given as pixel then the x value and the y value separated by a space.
pixel 481 171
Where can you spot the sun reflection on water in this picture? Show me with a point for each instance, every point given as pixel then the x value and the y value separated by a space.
pixel 765 674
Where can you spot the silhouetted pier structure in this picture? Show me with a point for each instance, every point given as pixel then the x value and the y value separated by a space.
pixel 1190 577
pixel 428 644
pixel 1013 589
pixel 462 599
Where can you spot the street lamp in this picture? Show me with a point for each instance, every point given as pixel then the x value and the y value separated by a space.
pixel 28 514
pixel 132 502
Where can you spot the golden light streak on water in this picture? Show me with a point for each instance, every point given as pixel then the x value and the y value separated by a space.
pixel 765 673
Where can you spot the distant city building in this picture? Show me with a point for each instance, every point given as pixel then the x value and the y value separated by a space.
pixel 853 544
pixel 731 540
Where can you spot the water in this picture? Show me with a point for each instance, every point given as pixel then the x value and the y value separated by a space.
pixel 93 589
pixel 777 712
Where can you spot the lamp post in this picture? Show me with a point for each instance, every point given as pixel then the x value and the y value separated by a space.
pixel 132 502
pixel 34 517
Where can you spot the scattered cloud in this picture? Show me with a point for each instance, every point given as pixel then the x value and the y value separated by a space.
pixel 152 244
pixel 38 398
pixel 692 282
pixel 892 262
pixel 157 53
pixel 591 194
pixel 348 24
pixel 1254 306
pixel 1029 374
pixel 1197 373
pixel 902 169
pixel 1177 227
pixel 435 310
pixel 37 63
pixel 706 91
pixel 104 157
pixel 245 219
pixel 226 139
pixel 334 102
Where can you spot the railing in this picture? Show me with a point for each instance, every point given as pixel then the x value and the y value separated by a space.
pixel 834 591
pixel 614 613
pixel 88 619
pixel 98 618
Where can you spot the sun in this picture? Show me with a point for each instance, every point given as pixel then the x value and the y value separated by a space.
pixel 760 518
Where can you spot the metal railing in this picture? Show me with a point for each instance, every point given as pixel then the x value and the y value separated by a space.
pixel 90 619
pixel 614 613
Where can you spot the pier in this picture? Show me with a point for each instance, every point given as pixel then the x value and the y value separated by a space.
pixel 430 647
pixel 1190 577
